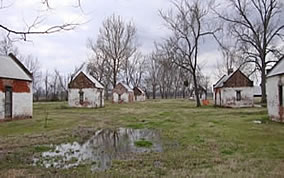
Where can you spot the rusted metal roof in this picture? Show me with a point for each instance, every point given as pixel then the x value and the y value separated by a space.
pixel 277 69
pixel 12 68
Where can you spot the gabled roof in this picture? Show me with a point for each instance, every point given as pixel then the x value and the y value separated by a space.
pixel 12 68
pixel 140 90
pixel 221 82
pixel 90 77
pixel 277 69
pixel 126 86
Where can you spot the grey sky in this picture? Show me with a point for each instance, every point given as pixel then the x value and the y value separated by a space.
pixel 66 50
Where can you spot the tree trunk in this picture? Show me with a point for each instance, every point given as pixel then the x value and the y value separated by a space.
pixel 198 104
pixel 154 91
pixel 263 85
pixel 106 93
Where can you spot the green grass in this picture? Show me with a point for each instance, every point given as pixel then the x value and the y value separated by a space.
pixel 196 141
pixel 143 143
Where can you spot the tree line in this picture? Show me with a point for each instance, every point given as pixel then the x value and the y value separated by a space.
pixel 248 34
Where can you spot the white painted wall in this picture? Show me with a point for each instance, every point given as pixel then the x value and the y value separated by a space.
pixel 140 98
pixel 272 84
pixel 124 97
pixel 217 97
pixel 229 98
pixel 2 105
pixel 91 98
pixel 22 104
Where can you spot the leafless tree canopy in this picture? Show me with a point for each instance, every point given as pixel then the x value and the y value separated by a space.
pixel 31 29
pixel 115 45
pixel 7 46
pixel 187 22
pixel 257 26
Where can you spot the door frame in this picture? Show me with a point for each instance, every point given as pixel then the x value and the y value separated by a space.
pixel 101 98
pixel 8 89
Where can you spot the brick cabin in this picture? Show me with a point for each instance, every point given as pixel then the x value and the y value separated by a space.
pixel 274 91
pixel 233 90
pixel 85 91
pixel 139 94
pixel 16 96
pixel 122 93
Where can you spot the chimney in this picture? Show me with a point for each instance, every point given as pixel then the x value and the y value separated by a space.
pixel 231 70
pixel 268 70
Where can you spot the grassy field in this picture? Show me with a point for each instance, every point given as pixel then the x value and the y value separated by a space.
pixel 206 141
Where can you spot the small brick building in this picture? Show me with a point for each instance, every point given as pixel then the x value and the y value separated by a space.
pixel 16 96
pixel 234 90
pixel 139 94
pixel 122 93
pixel 274 90
pixel 85 91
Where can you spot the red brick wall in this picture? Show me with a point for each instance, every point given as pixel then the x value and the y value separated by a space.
pixel 18 86
pixel 119 89
pixel 81 81
pixel 238 80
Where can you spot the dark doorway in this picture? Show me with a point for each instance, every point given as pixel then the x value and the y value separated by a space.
pixel 280 95
pixel 8 102
pixel 101 98
pixel 81 97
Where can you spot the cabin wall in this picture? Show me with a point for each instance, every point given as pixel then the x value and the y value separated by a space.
pixel 275 111
pixel 22 98
pixel 217 93
pixel 140 98
pixel 2 105
pixel 125 97
pixel 229 98
pixel 92 98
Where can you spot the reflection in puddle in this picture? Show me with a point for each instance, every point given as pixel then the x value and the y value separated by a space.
pixel 100 149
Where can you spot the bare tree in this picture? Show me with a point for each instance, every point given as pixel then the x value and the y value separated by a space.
pixel 257 27
pixel 117 43
pixel 152 73
pixel 187 24
pixel 99 67
pixel 33 65
pixel 136 67
pixel 31 29
pixel 7 46
pixel 46 85
pixel 63 83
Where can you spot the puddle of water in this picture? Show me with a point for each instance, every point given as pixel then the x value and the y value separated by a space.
pixel 100 149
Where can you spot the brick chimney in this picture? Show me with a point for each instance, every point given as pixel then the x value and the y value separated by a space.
pixel 231 70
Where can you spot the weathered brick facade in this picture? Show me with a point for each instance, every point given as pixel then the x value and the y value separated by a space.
pixel 81 81
pixel 85 91
pixel 238 79
pixel 18 86
pixel 234 90
pixel 16 101
pixel 122 94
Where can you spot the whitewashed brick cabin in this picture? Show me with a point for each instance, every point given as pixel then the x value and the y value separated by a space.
pixel 122 93
pixel 16 96
pixel 139 94
pixel 85 91
pixel 274 90
pixel 234 90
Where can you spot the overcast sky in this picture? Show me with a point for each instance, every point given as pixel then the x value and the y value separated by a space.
pixel 65 50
